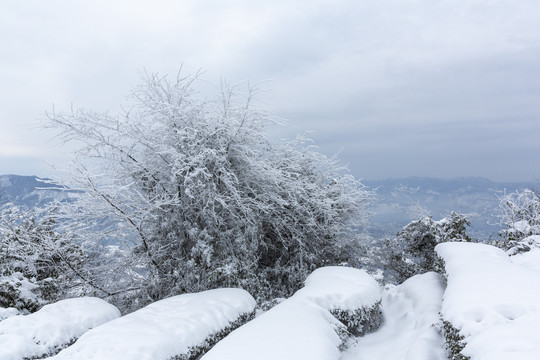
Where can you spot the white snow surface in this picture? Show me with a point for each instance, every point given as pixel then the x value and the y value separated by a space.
pixel 302 326
pixel 164 328
pixel 493 299
pixel 410 311
pixel 52 327
pixel 7 312
pixel 338 287
pixel 529 259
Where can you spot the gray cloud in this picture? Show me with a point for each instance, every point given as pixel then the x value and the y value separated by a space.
pixel 414 87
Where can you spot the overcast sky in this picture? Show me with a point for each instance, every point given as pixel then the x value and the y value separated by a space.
pixel 400 87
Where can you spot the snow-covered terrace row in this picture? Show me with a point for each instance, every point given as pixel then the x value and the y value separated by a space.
pixel 492 302
pixel 174 328
pixel 52 328
pixel 303 327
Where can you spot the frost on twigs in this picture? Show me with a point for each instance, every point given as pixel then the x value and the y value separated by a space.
pixel 197 196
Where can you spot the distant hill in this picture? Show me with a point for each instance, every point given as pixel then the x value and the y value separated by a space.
pixel 400 201
pixel 28 191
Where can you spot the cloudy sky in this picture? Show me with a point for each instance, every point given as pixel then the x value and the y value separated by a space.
pixel 441 88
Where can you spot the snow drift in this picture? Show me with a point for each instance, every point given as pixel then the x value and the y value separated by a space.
pixel 53 327
pixel 491 305
pixel 409 332
pixel 303 327
pixel 174 328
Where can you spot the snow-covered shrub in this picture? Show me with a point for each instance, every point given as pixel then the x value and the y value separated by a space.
pixel 302 326
pixel 358 307
pixel 411 252
pixel 36 265
pixel 52 328
pixel 180 327
pixel 200 198
pixel 491 307
pixel 520 216
pixel 521 246
pixel 16 291
pixel 454 341
pixel 195 352
pixel 362 321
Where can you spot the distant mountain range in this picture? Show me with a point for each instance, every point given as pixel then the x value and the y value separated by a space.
pixel 398 202
pixel 28 191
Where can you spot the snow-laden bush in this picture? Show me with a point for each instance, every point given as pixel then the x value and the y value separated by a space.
pixel 524 245
pixel 37 265
pixel 491 305
pixel 180 327
pixel 302 326
pixel 52 328
pixel 520 217
pixel 349 294
pixel 16 291
pixel 200 198
pixel 412 252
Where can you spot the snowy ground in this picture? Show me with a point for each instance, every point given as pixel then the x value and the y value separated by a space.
pixel 164 329
pixel 9 312
pixel 493 300
pixel 51 328
pixel 410 311
pixel 302 326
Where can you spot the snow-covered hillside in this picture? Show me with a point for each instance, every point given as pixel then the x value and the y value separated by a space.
pixel 29 191
pixel 484 304
pixel 52 328
pixel 176 326
pixel 491 305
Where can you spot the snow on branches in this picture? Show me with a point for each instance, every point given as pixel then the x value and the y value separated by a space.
pixel 196 196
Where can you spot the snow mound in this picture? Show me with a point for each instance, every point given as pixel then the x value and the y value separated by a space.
pixel 526 244
pixel 7 312
pixel 493 300
pixel 52 328
pixel 410 312
pixel 164 329
pixel 338 287
pixel 302 326
pixel 529 259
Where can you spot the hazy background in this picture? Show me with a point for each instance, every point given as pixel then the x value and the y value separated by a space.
pixel 401 87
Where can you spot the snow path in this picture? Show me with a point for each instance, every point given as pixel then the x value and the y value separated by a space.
pixel 407 333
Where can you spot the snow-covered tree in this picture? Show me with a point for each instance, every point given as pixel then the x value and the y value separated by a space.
pixel 412 251
pixel 520 218
pixel 37 265
pixel 196 196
